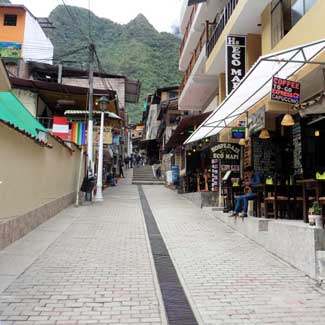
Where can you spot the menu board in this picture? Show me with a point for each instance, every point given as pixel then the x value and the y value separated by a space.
pixel 297 149
pixel 225 157
pixel 265 153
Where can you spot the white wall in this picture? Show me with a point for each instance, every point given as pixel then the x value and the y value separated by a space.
pixel 28 98
pixel 37 46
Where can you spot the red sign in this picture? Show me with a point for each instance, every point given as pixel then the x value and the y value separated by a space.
pixel 285 91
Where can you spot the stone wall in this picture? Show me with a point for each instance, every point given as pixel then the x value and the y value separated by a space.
pixel 293 241
pixel 203 199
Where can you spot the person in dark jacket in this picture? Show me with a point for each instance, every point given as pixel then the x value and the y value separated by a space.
pixel 242 200
pixel 121 167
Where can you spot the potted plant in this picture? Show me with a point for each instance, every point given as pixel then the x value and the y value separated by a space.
pixel 315 216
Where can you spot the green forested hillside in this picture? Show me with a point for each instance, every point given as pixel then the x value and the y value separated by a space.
pixel 136 49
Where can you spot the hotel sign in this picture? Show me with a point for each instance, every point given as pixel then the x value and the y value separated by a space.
pixel 226 151
pixel 285 91
pixel 235 61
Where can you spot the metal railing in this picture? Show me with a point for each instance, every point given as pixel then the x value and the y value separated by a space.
pixel 216 28
pixel 187 30
pixel 195 56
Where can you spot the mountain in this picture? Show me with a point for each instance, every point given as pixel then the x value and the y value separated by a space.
pixel 136 49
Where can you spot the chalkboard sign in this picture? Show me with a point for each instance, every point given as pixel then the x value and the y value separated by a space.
pixel 297 149
pixel 265 153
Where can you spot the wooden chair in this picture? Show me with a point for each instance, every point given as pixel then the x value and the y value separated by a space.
pixel 277 197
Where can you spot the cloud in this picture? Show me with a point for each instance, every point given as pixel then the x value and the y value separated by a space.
pixel 162 14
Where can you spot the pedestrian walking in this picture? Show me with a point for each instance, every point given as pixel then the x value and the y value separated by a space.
pixel 121 167
pixel 131 160
pixel 126 162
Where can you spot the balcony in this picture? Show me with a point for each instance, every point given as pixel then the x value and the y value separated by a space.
pixel 195 56
pixel 218 25
pixel 239 17
pixel 187 30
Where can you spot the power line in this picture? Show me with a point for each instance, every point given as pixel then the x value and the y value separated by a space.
pixel 78 23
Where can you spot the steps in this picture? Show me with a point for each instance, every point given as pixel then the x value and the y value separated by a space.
pixel 144 176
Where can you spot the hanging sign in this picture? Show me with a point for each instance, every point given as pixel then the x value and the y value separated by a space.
pixel 235 61
pixel 256 121
pixel 226 151
pixel 238 133
pixel 285 91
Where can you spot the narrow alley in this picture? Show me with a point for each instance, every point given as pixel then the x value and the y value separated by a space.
pixel 97 264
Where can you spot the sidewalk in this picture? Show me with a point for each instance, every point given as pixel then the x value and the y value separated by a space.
pixel 88 265
pixel 228 278
pixel 94 265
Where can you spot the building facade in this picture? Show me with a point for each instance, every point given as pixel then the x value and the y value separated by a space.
pixel 21 35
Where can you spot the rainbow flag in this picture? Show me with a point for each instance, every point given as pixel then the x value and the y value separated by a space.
pixel 78 133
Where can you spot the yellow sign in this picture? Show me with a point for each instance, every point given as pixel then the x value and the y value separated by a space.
pixel 108 137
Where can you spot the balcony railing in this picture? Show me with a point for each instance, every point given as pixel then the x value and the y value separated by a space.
pixel 218 25
pixel 195 56
pixel 187 30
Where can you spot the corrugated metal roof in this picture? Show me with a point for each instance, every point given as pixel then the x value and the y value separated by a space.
pixel 14 113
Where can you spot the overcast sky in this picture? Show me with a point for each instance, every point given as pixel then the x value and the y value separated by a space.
pixel 162 14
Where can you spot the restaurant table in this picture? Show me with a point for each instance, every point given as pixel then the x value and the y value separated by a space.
pixel 316 185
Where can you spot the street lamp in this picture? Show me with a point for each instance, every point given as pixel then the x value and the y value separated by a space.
pixel 103 101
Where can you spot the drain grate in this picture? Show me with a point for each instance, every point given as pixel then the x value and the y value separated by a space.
pixel 177 307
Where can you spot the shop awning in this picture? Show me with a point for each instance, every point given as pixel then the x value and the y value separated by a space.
pixel 256 85
pixel 80 112
pixel 180 133
pixel 14 114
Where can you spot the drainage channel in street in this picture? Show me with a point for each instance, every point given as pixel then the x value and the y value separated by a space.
pixel 177 307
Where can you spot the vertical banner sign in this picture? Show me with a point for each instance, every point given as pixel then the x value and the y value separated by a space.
pixel 235 61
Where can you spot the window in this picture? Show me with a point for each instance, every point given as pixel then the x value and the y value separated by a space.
pixel 285 14
pixel 10 20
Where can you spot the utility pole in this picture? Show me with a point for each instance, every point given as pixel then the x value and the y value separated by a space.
pixel 90 150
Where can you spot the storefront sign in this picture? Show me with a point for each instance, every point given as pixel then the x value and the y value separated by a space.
pixel 108 137
pixel 226 151
pixel 256 121
pixel 236 61
pixel 285 91
pixel 238 133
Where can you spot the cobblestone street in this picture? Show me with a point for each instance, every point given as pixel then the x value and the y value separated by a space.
pixel 94 265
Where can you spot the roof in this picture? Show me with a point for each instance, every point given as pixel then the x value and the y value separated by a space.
pixel 180 135
pixel 132 87
pixel 56 87
pixel 11 5
pixel 256 85
pixel 52 93
pixel 14 114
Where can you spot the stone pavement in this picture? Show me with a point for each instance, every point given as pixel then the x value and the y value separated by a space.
pixel 228 278
pixel 88 265
pixel 94 265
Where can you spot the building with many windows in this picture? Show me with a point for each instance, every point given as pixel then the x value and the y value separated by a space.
pixel 258 68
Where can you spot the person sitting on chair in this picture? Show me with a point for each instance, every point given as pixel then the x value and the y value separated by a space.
pixel 242 200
